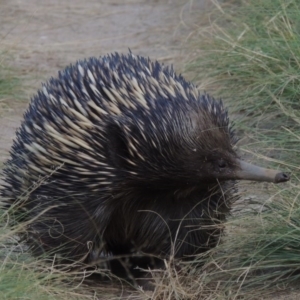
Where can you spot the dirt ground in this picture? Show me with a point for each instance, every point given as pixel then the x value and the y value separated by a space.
pixel 45 36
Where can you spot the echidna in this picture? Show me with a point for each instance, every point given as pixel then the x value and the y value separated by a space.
pixel 119 155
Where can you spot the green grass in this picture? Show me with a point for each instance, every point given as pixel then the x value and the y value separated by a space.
pixel 250 56
pixel 9 84
pixel 252 48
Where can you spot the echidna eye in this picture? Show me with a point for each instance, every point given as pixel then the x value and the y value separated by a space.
pixel 222 163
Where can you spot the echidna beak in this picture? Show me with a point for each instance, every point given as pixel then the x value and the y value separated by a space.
pixel 282 177
pixel 252 172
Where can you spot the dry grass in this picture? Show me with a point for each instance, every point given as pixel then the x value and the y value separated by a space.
pixel 250 55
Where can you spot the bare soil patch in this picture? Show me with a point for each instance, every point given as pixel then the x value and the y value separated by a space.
pixel 45 36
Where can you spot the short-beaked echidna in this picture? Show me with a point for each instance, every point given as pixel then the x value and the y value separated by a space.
pixel 120 155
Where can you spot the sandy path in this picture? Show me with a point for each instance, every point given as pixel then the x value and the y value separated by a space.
pixel 48 35
pixel 45 36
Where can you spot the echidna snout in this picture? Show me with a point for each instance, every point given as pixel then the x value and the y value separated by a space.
pixel 251 172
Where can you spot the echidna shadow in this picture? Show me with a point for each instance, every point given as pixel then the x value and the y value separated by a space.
pixel 119 155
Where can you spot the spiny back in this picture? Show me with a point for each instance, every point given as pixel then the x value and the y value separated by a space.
pixel 110 138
